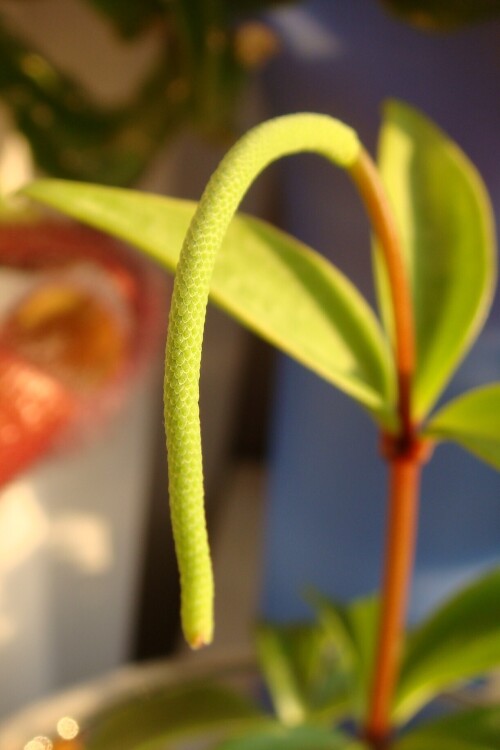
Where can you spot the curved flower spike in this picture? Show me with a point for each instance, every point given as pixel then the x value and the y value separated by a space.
pixel 261 146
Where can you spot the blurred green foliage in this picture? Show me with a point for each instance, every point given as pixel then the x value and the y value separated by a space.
pixel 208 49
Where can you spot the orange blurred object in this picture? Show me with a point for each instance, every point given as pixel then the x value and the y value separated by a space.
pixel 68 332
pixel 34 408
pixel 81 314
pixel 67 745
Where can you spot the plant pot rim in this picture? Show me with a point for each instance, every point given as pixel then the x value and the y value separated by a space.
pixel 40 719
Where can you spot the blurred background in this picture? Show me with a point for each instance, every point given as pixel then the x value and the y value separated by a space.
pixel 151 95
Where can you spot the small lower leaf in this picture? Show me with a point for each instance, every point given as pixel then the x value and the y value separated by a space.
pixel 473 729
pixel 302 671
pixel 457 643
pixel 472 421
pixel 153 718
pixel 296 738
pixel 354 628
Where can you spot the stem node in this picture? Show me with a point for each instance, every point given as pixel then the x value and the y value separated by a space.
pixel 405 447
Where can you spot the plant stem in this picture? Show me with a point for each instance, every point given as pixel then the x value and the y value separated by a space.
pixel 399 557
pixel 405 454
pixel 368 182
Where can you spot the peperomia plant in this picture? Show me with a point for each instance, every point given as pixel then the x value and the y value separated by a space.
pixel 434 258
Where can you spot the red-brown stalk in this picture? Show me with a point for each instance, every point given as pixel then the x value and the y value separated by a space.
pixel 404 454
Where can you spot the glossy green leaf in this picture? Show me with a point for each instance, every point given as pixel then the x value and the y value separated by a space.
pixel 354 628
pixel 152 719
pixel 302 671
pixel 473 421
pixel 447 232
pixel 292 738
pixel 264 278
pixel 444 14
pixel 458 642
pixel 472 729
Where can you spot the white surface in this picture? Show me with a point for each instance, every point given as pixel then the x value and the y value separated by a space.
pixel 68 574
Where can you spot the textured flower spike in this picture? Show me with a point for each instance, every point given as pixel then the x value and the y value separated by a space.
pixel 261 146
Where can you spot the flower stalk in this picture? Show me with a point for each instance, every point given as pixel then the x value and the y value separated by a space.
pixel 404 454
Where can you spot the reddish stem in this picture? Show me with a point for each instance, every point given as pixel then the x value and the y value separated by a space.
pixel 404 454
pixel 399 557
pixel 368 182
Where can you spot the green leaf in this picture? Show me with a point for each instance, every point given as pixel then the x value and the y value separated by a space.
pixel 445 743
pixel 354 629
pixel 152 718
pixel 302 671
pixel 444 14
pixel 292 738
pixel 458 642
pixel 447 232
pixel 267 280
pixel 473 421
pixel 472 729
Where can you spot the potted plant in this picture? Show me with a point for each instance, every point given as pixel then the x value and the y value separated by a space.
pixel 186 70
pixel 353 679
